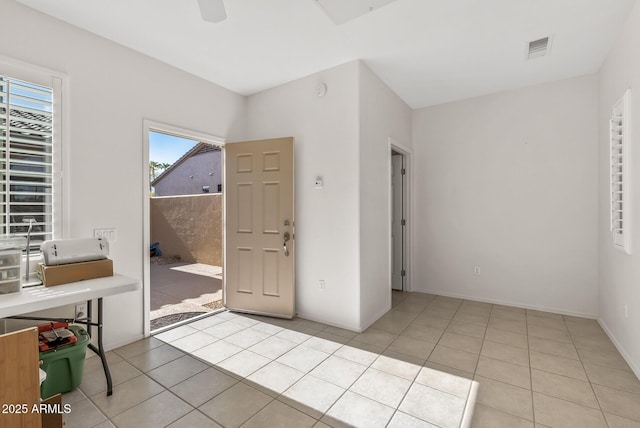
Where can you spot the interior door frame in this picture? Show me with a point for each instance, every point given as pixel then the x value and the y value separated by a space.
pixel 164 128
pixel 406 153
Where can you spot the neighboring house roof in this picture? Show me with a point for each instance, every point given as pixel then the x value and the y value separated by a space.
pixel 195 150
pixel 42 122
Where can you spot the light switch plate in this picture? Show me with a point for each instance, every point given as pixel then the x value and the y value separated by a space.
pixel 110 235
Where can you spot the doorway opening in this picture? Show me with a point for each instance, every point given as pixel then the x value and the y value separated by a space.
pixel 183 226
pixel 399 193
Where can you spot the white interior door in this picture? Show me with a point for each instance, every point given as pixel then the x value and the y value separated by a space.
pixel 397 216
pixel 259 257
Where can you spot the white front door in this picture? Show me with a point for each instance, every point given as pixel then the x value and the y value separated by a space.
pixel 259 257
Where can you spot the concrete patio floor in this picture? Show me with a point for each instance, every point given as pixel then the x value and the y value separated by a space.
pixel 183 288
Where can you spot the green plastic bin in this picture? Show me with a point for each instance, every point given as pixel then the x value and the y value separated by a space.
pixel 64 365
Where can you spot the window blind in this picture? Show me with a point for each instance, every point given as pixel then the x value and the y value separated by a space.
pixel 620 176
pixel 26 160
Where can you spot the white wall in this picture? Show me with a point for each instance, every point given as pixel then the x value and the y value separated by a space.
pixel 111 90
pixel 508 182
pixel 383 115
pixel 620 273
pixel 327 220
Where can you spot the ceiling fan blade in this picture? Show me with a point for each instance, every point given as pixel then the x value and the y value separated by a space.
pixel 212 10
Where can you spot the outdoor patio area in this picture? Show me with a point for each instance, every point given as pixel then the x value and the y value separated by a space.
pixel 181 291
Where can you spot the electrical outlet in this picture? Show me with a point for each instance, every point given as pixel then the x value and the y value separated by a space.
pixel 109 235
pixel 81 311
pixel 626 312
pixel 321 284
pixel 476 270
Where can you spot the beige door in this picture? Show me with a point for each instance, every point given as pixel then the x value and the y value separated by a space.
pixel 259 227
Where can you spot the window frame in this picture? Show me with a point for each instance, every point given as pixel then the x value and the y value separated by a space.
pixel 620 176
pixel 18 70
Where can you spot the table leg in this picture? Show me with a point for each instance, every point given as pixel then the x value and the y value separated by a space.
pixel 100 349
pixel 89 316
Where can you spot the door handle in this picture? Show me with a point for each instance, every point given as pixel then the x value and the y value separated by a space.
pixel 284 244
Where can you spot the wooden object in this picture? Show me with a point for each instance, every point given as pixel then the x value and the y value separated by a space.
pixel 19 379
pixel 52 420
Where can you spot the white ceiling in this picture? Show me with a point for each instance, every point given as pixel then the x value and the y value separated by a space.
pixel 428 51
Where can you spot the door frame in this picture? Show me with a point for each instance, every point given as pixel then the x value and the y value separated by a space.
pixel 406 153
pixel 164 128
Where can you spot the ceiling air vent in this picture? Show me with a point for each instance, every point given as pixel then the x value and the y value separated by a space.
pixel 539 48
pixel 341 11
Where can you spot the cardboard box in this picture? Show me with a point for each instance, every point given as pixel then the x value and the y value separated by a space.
pixel 72 272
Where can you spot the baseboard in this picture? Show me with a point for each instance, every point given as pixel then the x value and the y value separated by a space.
pixel 508 303
pixel 108 346
pixel 328 322
pixel 635 369
pixel 376 317
pixel 358 329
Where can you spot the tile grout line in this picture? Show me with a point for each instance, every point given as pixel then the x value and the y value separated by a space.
pixel 277 397
pixel 240 379
pixel 509 384
pixel 110 419
pixel 396 410
pixel 476 367
pixel 211 365
pixel 586 374
pixel 106 418
pixel 368 367
pixel 309 373
pixel 427 359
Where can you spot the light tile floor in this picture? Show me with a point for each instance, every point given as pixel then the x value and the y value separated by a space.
pixel 418 366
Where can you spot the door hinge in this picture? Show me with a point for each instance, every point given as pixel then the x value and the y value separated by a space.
pixel 403 272
pixel 403 222
pixel 403 171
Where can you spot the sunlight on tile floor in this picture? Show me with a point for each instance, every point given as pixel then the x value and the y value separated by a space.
pixel 429 362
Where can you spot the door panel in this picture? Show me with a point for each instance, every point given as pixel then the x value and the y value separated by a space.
pixel 245 270
pixel 259 272
pixel 244 208
pixel 271 216
pixel 270 272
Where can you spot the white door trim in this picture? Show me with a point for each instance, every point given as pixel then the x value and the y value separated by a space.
pixel 408 243
pixel 147 126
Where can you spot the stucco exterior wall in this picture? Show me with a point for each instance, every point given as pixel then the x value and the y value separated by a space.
pixel 189 227
pixel 203 169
